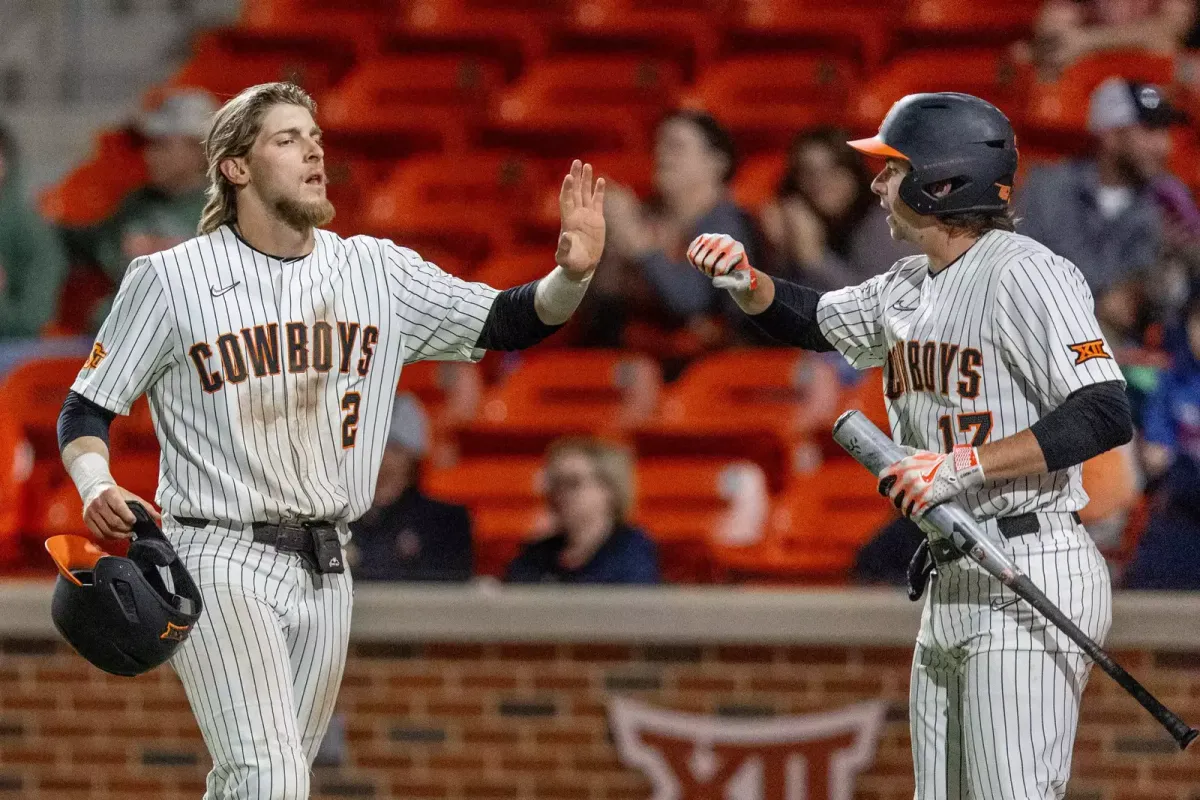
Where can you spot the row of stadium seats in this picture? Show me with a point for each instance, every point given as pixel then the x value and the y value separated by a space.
pixel 438 78
pixel 759 411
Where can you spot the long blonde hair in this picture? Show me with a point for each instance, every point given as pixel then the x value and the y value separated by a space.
pixel 234 129
pixel 613 463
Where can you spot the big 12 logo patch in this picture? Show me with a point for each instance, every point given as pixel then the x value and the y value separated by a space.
pixel 698 757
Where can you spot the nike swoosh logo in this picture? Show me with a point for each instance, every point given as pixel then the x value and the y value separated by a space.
pixel 899 306
pixel 218 292
pixel 928 477
pixel 999 604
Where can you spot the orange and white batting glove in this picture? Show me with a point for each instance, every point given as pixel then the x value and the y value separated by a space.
pixel 918 482
pixel 723 258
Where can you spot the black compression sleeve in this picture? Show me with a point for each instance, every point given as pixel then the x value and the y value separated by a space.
pixel 1090 421
pixel 792 317
pixel 82 417
pixel 513 323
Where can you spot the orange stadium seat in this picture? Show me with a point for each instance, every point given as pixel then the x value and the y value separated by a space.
pixel 686 33
pixel 503 494
pixel 224 69
pixel 559 392
pixel 563 106
pixel 456 204
pixel 817 527
pixel 16 464
pixel 512 31
pixel 955 22
pixel 505 270
pixel 323 18
pixel 985 73
pixel 1057 110
pixel 92 190
pixel 394 105
pixel 765 100
pixel 757 180
pixel 862 32
pixel 757 404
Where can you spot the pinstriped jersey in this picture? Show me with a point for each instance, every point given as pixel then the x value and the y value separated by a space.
pixel 977 352
pixel 271 381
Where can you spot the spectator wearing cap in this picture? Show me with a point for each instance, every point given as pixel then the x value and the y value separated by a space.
pixel 694 162
pixel 589 488
pixel 1103 213
pixel 33 263
pixel 406 535
pixel 166 211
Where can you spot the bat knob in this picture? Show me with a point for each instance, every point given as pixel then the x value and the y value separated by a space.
pixel 1187 738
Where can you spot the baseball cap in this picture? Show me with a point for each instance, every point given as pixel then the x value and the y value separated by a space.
pixel 1118 103
pixel 182 112
pixel 410 426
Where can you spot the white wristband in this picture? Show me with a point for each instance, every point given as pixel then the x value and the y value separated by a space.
pixel 557 296
pixel 91 476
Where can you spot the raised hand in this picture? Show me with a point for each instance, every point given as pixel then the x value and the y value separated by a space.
pixel 581 210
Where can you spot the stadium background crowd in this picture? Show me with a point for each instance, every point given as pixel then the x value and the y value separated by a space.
pixel 656 439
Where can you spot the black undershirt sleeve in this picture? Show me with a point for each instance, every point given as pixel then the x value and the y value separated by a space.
pixel 792 317
pixel 81 417
pixel 1092 420
pixel 512 322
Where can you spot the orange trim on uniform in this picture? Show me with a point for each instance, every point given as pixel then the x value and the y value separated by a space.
pixel 73 552
pixel 875 147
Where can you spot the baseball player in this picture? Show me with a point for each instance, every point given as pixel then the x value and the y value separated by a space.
pixel 270 351
pixel 999 382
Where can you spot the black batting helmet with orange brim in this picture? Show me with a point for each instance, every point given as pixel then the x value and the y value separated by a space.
pixel 962 151
pixel 117 612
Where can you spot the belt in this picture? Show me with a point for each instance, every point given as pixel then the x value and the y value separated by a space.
pixel 943 551
pixel 316 541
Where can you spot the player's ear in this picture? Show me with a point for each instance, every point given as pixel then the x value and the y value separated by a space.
pixel 235 171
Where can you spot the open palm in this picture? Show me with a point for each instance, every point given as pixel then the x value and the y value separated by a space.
pixel 581 210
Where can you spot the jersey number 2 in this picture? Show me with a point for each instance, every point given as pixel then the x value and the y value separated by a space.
pixel 981 422
pixel 350 403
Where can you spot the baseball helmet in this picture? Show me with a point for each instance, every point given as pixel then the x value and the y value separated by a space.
pixel 962 152
pixel 117 612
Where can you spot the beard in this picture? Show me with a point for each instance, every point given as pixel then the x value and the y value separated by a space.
pixel 301 215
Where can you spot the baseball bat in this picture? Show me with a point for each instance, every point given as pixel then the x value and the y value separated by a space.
pixel 876 451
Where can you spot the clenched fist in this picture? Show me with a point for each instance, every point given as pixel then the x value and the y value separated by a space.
pixel 723 258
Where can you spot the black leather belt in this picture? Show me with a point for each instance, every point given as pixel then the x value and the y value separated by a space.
pixel 942 551
pixel 316 541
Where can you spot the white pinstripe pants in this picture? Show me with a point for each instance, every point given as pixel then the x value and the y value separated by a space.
pixel 995 692
pixel 263 665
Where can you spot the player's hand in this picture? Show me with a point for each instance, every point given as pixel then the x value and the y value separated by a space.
pixel 723 258
pixel 108 517
pixel 581 209
pixel 923 480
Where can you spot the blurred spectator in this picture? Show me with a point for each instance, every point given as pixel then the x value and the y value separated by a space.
pixel 167 210
pixel 33 263
pixel 1168 554
pixel 405 535
pixel 826 228
pixel 1067 30
pixel 694 162
pixel 589 487
pixel 1103 213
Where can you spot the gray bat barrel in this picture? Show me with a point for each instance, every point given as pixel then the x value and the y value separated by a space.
pixel 876 451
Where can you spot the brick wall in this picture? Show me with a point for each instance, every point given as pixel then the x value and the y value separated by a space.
pixel 492 722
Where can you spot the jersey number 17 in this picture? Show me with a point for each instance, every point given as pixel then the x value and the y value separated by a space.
pixel 980 422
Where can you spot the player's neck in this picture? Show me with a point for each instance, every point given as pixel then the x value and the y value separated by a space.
pixel 944 248
pixel 268 234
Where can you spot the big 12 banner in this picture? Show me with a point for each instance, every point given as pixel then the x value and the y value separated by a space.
pixel 700 757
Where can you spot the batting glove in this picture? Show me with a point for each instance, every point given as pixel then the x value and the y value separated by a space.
pixel 923 480
pixel 723 258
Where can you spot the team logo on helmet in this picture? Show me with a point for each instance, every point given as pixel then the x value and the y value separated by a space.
pixel 176 633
